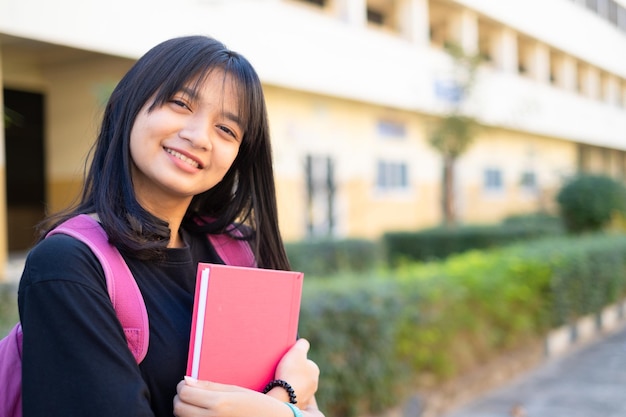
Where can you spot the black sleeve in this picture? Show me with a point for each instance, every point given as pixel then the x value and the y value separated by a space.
pixel 76 361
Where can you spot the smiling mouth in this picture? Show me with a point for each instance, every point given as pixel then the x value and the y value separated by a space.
pixel 183 158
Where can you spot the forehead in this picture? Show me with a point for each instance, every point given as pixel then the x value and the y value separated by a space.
pixel 218 87
pixel 214 85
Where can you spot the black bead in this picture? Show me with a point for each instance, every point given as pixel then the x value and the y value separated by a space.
pixel 283 384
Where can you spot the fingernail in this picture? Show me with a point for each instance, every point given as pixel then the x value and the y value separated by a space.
pixel 190 379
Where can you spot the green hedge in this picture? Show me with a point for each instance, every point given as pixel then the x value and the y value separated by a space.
pixel 8 307
pixel 440 242
pixel 374 335
pixel 329 256
pixel 351 330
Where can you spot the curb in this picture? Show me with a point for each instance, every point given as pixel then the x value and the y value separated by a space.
pixel 586 329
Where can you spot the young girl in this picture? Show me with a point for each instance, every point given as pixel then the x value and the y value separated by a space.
pixel 183 151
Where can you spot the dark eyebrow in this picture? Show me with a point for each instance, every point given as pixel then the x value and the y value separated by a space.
pixel 233 118
pixel 193 95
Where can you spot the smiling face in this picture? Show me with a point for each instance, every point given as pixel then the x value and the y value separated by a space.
pixel 186 145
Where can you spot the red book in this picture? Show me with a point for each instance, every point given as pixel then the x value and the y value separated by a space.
pixel 244 321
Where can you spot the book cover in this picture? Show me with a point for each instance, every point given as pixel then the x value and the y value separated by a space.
pixel 244 321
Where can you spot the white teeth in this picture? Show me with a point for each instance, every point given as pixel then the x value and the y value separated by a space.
pixel 183 158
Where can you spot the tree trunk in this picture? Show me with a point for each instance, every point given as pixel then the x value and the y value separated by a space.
pixel 449 215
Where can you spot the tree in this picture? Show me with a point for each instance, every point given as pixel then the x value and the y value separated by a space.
pixel 589 202
pixel 454 132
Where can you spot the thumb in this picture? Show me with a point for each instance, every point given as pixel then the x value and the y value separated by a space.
pixel 303 345
pixel 189 380
pixel 193 382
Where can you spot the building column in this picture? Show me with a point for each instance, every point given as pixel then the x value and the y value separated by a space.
pixel 4 238
pixel 566 73
pixel 590 82
pixel 540 63
pixel 353 12
pixel 611 90
pixel 504 50
pixel 412 17
pixel 464 30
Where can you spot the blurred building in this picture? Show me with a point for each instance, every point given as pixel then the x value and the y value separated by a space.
pixel 353 87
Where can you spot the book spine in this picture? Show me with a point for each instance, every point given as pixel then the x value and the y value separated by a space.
pixel 197 330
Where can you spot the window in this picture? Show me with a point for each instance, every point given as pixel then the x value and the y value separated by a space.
pixel 439 29
pixel 485 40
pixel 375 16
pixel 320 202
pixel 392 175
pixel 528 181
pixel 493 180
pixel 556 64
pixel 524 56
pixel 391 129
pixel 610 10
pixel 621 18
pixel 613 12
pixel 592 5
pixel 384 14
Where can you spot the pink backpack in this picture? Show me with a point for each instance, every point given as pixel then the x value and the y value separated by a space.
pixel 123 291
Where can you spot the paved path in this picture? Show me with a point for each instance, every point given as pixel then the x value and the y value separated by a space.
pixel 589 381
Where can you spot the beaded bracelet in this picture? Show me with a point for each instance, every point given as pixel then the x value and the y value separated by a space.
pixel 296 410
pixel 282 384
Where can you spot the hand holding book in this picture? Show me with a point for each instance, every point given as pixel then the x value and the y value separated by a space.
pixel 199 397
pixel 301 373
pixel 244 335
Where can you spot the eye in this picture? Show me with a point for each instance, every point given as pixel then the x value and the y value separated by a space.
pixel 180 103
pixel 227 130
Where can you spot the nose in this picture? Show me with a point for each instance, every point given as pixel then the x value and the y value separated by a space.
pixel 197 130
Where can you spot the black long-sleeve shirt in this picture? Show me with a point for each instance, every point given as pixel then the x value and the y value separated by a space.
pixel 76 360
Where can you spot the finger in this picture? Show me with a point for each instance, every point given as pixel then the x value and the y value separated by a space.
pixel 302 344
pixel 181 408
pixel 210 385
pixel 192 397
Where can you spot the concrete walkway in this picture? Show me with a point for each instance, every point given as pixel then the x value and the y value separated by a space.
pixel 588 381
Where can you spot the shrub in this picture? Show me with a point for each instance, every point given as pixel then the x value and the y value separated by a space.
pixel 376 335
pixel 8 307
pixel 439 243
pixel 330 256
pixel 589 202
pixel 539 220
pixel 351 326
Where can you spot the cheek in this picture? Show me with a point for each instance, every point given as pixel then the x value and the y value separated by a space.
pixel 137 132
pixel 227 156
pixel 135 145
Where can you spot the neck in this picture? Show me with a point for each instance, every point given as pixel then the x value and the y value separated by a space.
pixel 176 240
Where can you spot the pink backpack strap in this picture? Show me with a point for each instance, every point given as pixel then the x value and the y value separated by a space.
pixel 123 290
pixel 233 251
pixel 11 373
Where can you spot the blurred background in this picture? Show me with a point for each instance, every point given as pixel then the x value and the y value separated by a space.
pixel 450 173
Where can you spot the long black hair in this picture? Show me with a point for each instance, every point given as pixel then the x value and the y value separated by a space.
pixel 245 196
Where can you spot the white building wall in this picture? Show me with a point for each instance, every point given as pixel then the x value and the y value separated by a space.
pixel 331 76
pixel 293 47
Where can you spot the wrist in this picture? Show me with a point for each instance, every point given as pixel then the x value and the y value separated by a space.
pixel 285 386
pixel 296 411
pixel 279 394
